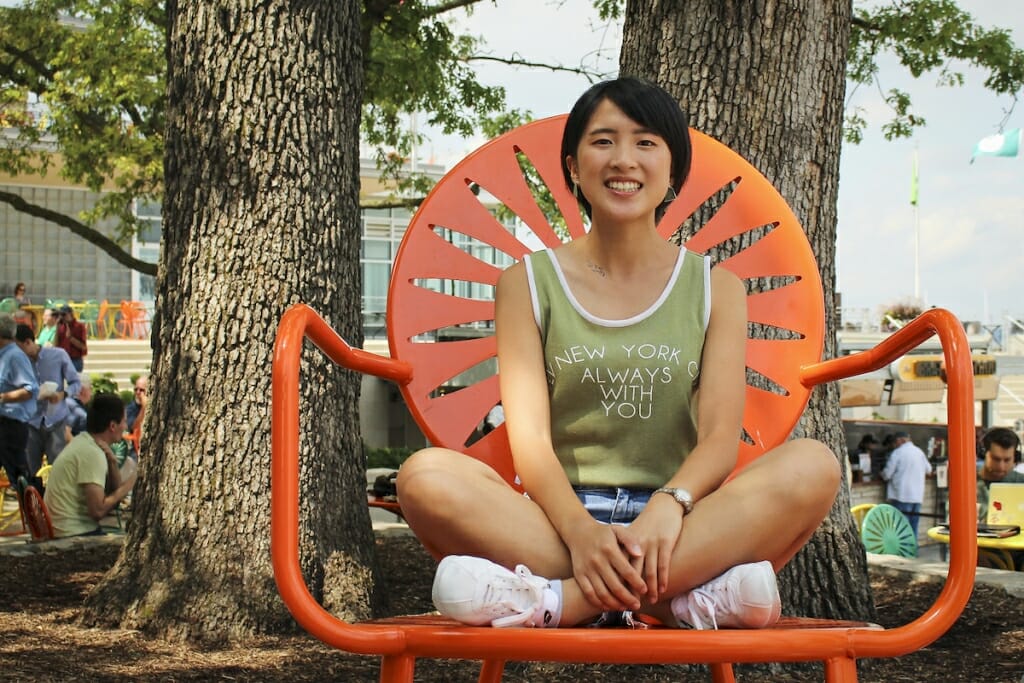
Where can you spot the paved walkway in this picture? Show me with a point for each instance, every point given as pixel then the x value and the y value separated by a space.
pixel 929 567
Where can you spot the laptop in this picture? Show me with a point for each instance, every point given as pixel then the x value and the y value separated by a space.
pixel 1006 504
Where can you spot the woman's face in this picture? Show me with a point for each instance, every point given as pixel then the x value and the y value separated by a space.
pixel 622 168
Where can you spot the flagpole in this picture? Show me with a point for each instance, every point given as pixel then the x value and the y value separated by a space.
pixel 917 254
pixel 917 230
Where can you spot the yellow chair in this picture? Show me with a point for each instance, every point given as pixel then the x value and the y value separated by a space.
pixel 9 513
pixel 859 512
pixel 44 472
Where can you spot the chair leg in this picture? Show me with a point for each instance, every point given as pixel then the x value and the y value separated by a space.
pixel 841 670
pixel 722 673
pixel 491 670
pixel 397 669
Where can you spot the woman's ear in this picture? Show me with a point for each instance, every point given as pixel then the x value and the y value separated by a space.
pixel 570 163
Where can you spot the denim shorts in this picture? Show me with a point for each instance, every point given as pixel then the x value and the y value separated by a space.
pixel 613 505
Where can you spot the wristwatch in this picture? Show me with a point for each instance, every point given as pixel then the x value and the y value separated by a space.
pixel 682 496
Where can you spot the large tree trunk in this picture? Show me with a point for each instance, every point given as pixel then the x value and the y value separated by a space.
pixel 261 211
pixel 766 77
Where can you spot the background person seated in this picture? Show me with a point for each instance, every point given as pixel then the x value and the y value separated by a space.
pixel 135 414
pixel 48 332
pixel 21 296
pixel 1000 445
pixel 85 483
pixel 77 405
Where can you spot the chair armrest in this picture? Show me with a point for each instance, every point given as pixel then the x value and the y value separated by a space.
pixel 963 513
pixel 298 323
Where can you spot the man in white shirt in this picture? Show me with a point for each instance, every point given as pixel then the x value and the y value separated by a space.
pixel 905 471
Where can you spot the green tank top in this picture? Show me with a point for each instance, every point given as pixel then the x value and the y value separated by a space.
pixel 621 390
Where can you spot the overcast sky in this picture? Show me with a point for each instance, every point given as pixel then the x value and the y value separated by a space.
pixel 970 215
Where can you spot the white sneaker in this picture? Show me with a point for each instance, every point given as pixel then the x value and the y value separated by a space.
pixel 745 596
pixel 476 591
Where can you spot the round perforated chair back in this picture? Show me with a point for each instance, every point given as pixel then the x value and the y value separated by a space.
pixel 886 531
pixel 440 303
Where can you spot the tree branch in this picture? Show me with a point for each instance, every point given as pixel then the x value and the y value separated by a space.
pixel 448 7
pixel 518 61
pixel 29 60
pixel 409 203
pixel 866 25
pixel 91 235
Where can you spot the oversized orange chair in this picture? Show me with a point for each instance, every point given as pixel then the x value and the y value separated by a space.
pixel 442 253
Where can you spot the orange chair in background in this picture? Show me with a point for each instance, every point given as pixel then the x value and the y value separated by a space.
pixel 443 245
pixel 105 321
pixel 133 322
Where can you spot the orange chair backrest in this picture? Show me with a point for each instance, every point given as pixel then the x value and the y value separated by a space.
pixel 439 274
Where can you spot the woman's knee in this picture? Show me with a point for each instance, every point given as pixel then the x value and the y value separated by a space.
pixel 817 463
pixel 421 469
pixel 434 474
pixel 803 467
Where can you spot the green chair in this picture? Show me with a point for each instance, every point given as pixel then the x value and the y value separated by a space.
pixel 886 531
pixel 89 316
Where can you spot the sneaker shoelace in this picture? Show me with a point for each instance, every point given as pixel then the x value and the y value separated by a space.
pixel 704 603
pixel 523 594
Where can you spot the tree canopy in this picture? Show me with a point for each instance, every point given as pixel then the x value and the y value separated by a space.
pixel 82 88
pixel 82 93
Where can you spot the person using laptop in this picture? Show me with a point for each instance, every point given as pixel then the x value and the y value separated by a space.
pixel 1000 445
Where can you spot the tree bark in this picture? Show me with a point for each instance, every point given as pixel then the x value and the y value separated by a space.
pixel 261 211
pixel 766 77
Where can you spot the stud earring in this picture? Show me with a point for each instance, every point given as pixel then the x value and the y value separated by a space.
pixel 670 195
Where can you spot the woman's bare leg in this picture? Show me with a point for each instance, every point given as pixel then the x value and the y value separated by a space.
pixel 767 512
pixel 458 505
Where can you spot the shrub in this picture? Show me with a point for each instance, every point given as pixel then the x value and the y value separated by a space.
pixel 386 457
pixel 104 383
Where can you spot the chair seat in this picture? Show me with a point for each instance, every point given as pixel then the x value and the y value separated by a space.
pixel 435 620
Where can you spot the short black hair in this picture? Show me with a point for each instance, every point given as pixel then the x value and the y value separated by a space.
pixel 23 333
pixel 1000 436
pixel 644 102
pixel 103 409
pixel 867 440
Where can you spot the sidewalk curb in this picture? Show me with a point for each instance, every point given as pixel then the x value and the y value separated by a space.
pixel 925 570
pixel 17 547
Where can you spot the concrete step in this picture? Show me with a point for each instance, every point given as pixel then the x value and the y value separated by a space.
pixel 120 358
pixel 1009 406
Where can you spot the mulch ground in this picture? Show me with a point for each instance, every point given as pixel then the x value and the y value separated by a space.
pixel 41 641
